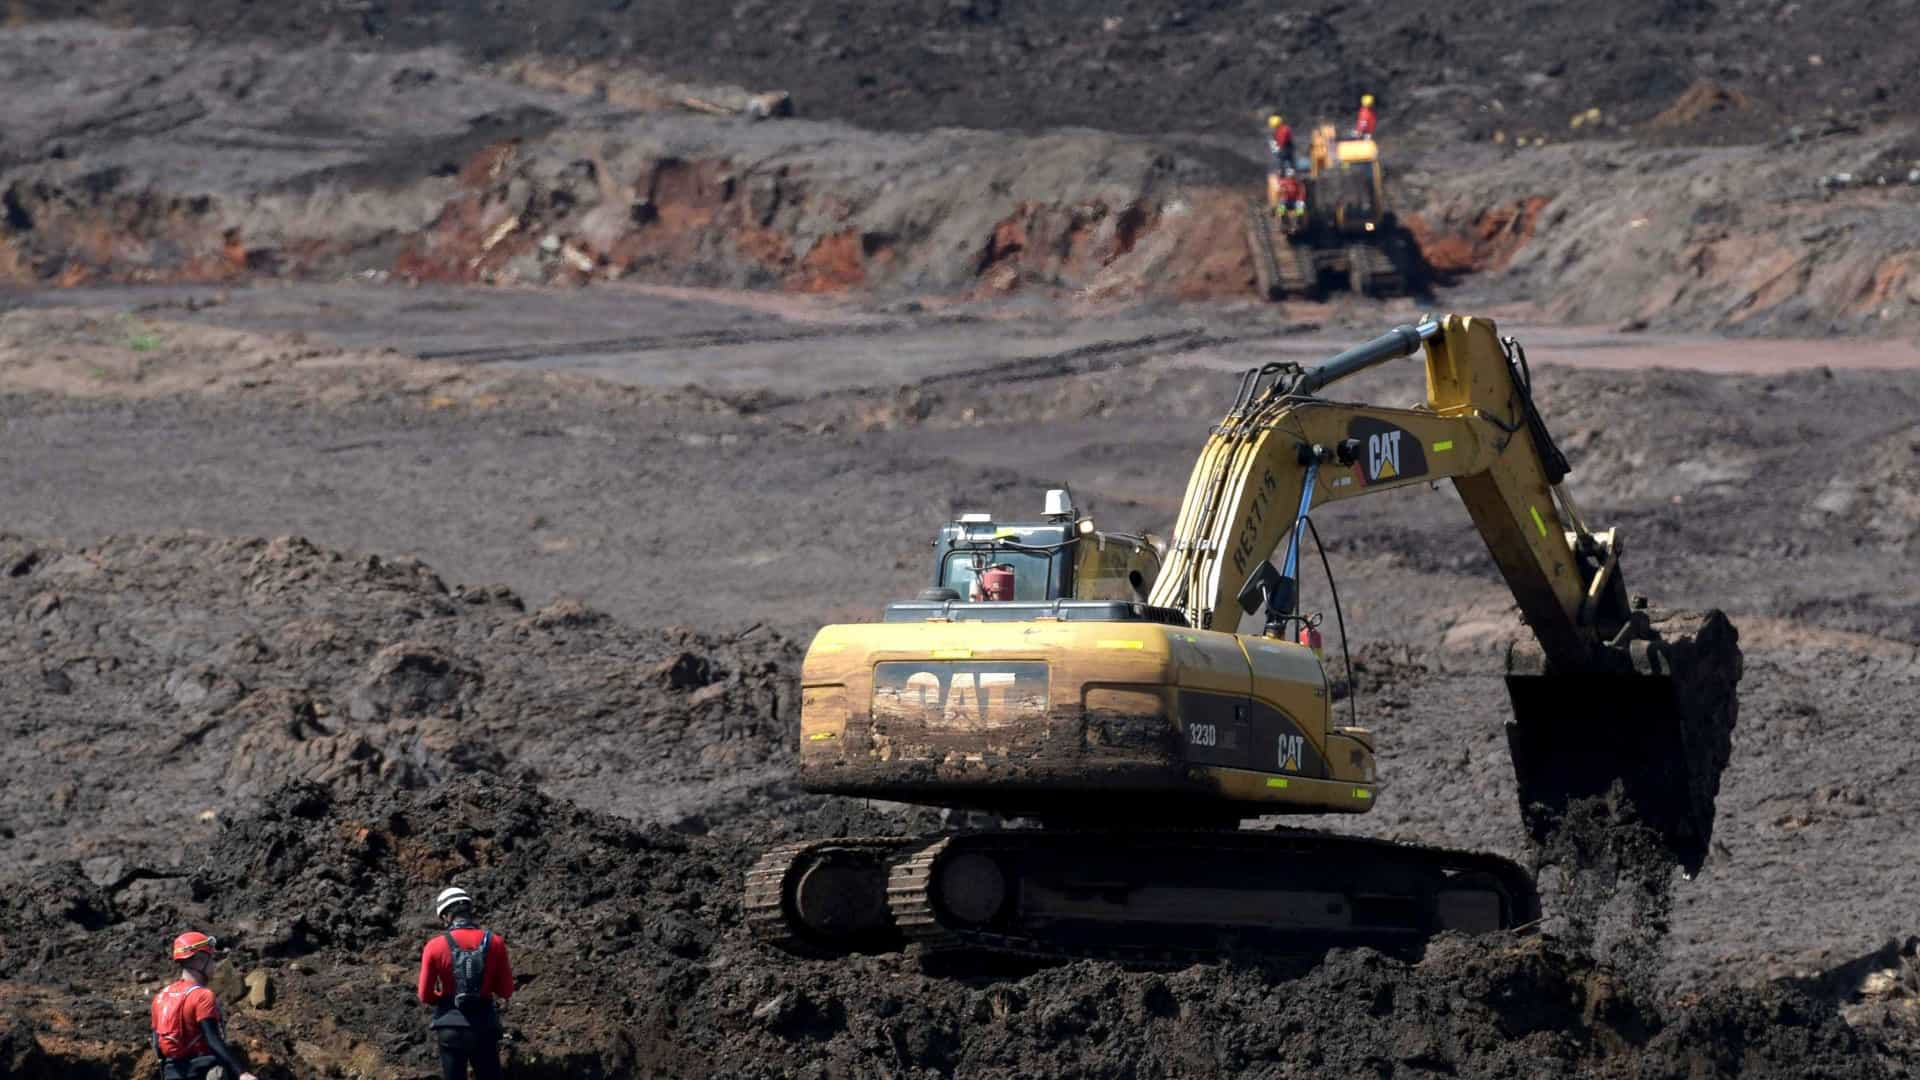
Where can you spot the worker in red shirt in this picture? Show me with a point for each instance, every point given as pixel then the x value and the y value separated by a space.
pixel 1363 125
pixel 1279 155
pixel 1292 208
pixel 465 975
pixel 187 1022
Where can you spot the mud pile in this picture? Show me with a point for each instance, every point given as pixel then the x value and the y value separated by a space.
pixel 296 748
pixel 217 671
pixel 632 961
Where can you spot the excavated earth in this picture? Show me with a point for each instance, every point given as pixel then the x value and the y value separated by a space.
pixel 294 742
pixel 429 439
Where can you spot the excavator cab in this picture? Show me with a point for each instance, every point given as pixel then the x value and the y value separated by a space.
pixel 1061 557
pixel 1349 192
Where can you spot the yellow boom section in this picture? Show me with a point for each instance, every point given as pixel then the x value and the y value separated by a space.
pixel 1241 498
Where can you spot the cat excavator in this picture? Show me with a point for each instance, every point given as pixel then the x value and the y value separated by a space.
pixel 1348 233
pixel 1090 694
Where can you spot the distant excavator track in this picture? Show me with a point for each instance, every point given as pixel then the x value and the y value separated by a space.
pixel 1288 269
pixel 1155 899
pixel 1371 272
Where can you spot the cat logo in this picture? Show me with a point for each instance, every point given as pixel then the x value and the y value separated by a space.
pixel 1383 455
pixel 1386 453
pixel 963 696
pixel 1290 747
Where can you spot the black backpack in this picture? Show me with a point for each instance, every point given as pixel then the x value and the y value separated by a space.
pixel 469 971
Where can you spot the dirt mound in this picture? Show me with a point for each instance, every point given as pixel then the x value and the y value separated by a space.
pixel 235 667
pixel 1135 65
pixel 631 956
pixel 313 161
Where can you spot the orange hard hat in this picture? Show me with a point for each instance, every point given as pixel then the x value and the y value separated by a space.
pixel 191 944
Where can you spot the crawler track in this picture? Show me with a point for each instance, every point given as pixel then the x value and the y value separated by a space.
pixel 1154 899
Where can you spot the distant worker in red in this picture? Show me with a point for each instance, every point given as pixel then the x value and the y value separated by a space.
pixel 1292 207
pixel 1280 156
pixel 187 1022
pixel 464 973
pixel 1363 124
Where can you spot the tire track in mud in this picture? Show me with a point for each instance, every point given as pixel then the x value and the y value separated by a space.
pixel 643 343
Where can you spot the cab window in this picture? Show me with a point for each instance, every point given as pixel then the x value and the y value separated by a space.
pixel 1031 573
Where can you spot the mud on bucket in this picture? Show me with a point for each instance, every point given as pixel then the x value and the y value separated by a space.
pixel 1646 730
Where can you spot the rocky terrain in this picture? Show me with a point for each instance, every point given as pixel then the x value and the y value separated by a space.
pixel 428 441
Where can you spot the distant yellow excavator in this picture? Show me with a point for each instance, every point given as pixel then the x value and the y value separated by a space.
pixel 1094 683
pixel 1349 233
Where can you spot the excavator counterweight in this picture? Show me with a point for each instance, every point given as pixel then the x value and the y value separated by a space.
pixel 1094 686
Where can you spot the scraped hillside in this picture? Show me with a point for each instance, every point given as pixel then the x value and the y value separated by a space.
pixel 234 162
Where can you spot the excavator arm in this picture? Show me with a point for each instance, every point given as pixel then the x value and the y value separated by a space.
pixel 1478 429
pixel 1592 707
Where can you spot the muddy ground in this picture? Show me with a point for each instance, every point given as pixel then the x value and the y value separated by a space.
pixel 428 442
pixel 482 603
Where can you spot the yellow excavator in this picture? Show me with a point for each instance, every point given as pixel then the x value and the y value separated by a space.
pixel 1349 233
pixel 1092 688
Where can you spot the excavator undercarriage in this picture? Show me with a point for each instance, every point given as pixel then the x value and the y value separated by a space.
pixel 1165 897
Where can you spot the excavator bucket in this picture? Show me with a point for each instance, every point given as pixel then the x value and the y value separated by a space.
pixel 1643 734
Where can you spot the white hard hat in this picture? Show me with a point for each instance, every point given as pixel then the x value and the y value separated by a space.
pixel 449 897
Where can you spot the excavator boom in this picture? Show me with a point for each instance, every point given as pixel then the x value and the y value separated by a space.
pixel 1474 430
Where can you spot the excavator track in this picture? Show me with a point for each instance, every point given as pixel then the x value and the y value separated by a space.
pixel 1371 272
pixel 1277 267
pixel 1158 899
pixel 1384 275
pixel 783 910
pixel 1266 267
